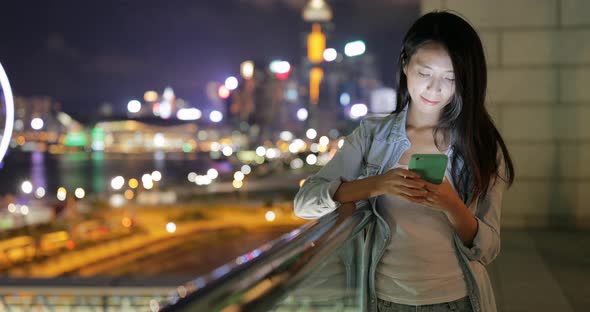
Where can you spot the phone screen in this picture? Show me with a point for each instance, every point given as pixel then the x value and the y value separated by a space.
pixel 431 167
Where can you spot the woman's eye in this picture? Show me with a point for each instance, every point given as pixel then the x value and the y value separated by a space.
pixel 450 79
pixel 422 74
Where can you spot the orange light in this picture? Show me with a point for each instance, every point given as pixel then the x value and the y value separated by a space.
pixel 150 96
pixel 20 140
pixel 223 92
pixel 315 78
pixel 129 194
pixel 126 222
pixel 316 44
pixel 70 245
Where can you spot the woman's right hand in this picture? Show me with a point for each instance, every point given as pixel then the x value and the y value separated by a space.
pixel 402 183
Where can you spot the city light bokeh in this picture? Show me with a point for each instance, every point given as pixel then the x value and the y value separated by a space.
pixel 140 147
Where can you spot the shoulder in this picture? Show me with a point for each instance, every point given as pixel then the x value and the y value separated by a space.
pixel 381 127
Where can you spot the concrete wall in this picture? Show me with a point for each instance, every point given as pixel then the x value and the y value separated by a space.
pixel 538 54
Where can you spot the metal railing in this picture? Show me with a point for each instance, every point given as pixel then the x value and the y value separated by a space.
pixel 306 268
pixel 102 294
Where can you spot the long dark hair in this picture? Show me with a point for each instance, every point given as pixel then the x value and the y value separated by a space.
pixel 465 120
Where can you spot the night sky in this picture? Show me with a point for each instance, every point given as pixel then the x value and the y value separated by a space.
pixel 83 53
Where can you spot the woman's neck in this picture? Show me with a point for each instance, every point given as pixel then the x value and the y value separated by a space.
pixel 419 120
pixel 419 123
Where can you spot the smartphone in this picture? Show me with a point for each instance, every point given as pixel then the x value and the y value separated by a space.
pixel 431 167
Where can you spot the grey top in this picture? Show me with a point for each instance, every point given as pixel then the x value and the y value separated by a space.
pixel 420 265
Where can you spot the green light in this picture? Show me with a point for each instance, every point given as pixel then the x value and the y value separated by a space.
pixel 97 134
pixel 6 223
pixel 76 139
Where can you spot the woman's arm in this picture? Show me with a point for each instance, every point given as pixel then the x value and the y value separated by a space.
pixel 357 190
pixel 464 222
pixel 337 182
pixel 477 228
pixel 316 197
pixel 485 245
pixel 397 182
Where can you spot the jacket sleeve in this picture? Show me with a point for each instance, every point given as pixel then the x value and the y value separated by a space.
pixel 315 197
pixel 486 243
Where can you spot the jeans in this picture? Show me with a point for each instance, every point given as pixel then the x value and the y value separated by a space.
pixel 461 305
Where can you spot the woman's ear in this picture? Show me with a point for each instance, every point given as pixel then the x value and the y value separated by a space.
pixel 405 69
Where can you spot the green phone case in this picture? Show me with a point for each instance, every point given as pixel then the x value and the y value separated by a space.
pixel 431 167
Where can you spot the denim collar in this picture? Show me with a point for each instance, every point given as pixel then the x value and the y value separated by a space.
pixel 397 129
pixel 397 126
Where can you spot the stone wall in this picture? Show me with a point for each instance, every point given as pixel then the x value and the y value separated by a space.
pixel 538 54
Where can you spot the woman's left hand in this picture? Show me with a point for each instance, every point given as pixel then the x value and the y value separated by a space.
pixel 441 196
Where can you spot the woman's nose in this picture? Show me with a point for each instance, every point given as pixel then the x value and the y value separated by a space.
pixel 434 85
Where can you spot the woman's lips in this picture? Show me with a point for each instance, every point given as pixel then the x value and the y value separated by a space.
pixel 429 101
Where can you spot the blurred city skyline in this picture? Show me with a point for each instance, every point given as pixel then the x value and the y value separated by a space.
pixel 85 54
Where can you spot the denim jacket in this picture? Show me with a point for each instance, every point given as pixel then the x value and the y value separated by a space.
pixel 371 148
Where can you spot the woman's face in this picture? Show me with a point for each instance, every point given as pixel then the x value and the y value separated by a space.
pixel 430 77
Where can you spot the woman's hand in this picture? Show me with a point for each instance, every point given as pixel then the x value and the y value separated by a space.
pixel 441 196
pixel 402 183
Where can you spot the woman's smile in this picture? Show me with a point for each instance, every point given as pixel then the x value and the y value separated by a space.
pixel 429 102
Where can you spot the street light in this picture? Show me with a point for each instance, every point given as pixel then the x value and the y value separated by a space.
pixel 354 48
pixel 156 176
pixel 246 169
pixel 231 83
pixel 150 96
pixel 281 69
pixel 61 193
pixel 27 187
pixel 134 106
pixel 261 151
pixel 270 216
pixel 311 133
pixel 247 69
pixel 40 192
pixel 212 174
pixel 302 114
pixel 311 159
pixel 37 123
pixel 170 227
pixel 223 92
pixel 344 99
pixel 116 183
pixel 358 110
pixel 238 176
pixel 79 193
pixel 330 55
pixel 216 116
pixel 188 114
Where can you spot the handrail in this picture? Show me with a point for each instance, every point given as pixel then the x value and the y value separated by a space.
pixel 258 280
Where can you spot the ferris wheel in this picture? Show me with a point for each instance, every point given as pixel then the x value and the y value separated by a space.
pixel 9 116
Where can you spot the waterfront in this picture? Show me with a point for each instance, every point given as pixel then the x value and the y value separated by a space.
pixel 93 171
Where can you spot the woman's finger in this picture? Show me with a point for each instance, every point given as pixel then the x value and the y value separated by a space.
pixel 434 188
pixel 412 192
pixel 431 198
pixel 411 183
pixel 407 173
pixel 417 200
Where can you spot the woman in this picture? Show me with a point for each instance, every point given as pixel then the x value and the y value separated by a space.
pixel 429 243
